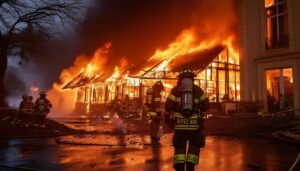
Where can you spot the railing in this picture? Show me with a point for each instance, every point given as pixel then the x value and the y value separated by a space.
pixel 277 42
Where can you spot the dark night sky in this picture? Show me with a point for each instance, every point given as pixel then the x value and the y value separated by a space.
pixel 136 29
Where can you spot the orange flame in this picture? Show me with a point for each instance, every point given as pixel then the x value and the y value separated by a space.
pixel 269 3
pixel 187 43
pixel 63 100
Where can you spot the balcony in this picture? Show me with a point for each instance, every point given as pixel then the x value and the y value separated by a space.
pixel 277 42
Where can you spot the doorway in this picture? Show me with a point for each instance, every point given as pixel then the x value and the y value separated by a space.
pixel 280 95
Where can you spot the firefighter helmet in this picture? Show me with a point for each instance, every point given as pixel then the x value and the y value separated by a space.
pixel 24 96
pixel 158 82
pixel 158 86
pixel 187 73
pixel 43 93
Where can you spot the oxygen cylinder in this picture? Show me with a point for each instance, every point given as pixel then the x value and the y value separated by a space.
pixel 149 96
pixel 187 103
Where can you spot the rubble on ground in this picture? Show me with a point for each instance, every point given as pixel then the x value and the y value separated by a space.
pixel 53 128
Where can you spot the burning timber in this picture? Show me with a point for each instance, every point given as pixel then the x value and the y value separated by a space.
pixel 218 75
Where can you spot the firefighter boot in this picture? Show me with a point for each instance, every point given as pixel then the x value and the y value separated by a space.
pixel 154 129
pixel 179 166
pixel 190 166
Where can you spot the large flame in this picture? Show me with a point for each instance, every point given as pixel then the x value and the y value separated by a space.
pixel 64 100
pixel 119 71
pixel 187 43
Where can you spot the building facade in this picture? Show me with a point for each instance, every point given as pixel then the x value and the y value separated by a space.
pixel 270 53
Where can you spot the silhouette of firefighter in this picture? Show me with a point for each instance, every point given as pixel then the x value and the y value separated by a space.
pixel 185 107
pixel 42 108
pixel 154 105
pixel 26 111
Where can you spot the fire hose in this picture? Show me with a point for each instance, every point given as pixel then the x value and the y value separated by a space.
pixel 295 163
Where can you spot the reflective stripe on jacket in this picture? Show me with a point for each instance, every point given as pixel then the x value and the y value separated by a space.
pixel 182 123
pixel 173 105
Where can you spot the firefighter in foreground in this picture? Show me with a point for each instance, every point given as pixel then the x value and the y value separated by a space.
pixel 154 105
pixel 42 107
pixel 185 107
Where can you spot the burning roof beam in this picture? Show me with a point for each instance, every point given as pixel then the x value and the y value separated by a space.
pixel 82 79
pixel 196 61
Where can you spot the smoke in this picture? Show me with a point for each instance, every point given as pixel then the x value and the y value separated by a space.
pixel 119 124
pixel 216 20
pixel 46 59
pixel 15 87
pixel 18 80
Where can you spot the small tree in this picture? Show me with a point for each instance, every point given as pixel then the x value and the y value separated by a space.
pixel 24 21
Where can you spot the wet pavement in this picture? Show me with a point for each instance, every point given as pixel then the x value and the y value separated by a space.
pixel 110 151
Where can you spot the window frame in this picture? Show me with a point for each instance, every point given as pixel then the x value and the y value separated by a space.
pixel 269 44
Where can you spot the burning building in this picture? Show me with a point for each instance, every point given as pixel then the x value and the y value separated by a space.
pixel 217 67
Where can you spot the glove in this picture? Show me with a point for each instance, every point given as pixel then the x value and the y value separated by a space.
pixel 167 119
pixel 170 122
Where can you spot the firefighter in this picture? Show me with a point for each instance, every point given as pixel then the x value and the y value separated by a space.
pixel 26 109
pixel 185 106
pixel 126 104
pixel 29 115
pixel 154 104
pixel 18 116
pixel 42 107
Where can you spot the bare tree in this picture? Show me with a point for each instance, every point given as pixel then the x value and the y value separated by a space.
pixel 31 20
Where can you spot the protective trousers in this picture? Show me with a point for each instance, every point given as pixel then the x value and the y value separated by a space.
pixel 183 157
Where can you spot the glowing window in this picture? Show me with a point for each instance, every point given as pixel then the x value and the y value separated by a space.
pixel 276 24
